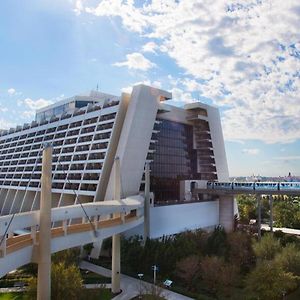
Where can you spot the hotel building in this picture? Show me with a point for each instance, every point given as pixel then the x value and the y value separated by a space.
pixel 183 146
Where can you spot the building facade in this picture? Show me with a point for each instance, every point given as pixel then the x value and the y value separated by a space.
pixel 184 147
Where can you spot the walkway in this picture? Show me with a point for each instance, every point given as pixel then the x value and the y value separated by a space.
pixel 130 286
pixel 285 230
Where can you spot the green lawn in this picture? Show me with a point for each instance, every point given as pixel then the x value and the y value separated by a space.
pixel 89 294
pixel 11 296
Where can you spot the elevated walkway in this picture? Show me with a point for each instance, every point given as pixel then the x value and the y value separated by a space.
pixel 72 228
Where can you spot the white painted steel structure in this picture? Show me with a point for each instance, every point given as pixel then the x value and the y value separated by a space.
pixel 17 251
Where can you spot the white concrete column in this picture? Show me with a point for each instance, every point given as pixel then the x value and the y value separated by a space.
pixel 116 239
pixel 3 246
pixel 258 197
pixel 44 258
pixel 271 213
pixel 147 203
pixel 226 212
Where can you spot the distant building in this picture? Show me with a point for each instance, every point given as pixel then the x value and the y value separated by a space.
pixel 184 147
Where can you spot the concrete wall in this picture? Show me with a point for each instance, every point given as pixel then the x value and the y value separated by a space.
pixel 172 219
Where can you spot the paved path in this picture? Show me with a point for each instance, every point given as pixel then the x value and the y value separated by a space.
pixel 130 286
pixel 285 230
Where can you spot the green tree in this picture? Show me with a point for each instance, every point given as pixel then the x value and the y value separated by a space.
pixel 289 259
pixel 285 213
pixel 267 248
pixel 66 283
pixel 247 208
pixel 269 281
pixel 217 243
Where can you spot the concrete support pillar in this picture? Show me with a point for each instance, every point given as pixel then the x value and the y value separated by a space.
pixel 271 213
pixel 2 246
pixel 226 212
pixel 44 258
pixel 116 239
pixel 258 197
pixel 147 203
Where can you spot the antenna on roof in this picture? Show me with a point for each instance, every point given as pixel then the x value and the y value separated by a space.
pixel 97 88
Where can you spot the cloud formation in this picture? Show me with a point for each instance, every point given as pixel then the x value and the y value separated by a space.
pixel 136 61
pixel 244 55
pixel 251 151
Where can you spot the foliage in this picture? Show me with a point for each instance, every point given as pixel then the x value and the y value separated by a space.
pixel 240 250
pixel 217 243
pixel 217 275
pixel 287 213
pixel 269 281
pixel 289 259
pixel 187 269
pixel 68 257
pixel 247 208
pixel 66 283
pixel 267 248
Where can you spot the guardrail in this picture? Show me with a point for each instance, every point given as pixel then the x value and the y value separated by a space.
pixel 70 220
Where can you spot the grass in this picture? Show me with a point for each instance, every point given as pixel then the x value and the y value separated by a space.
pixel 88 294
pixel 12 296
pixel 90 277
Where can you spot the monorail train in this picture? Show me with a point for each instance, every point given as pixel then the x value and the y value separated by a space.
pixel 259 186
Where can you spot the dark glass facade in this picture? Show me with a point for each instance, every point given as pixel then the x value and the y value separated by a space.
pixel 174 159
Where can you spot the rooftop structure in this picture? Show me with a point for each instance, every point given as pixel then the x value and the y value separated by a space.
pixel 183 146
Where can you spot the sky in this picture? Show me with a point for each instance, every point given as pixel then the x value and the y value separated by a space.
pixel 241 56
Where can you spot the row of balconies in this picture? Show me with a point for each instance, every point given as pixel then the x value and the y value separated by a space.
pixel 52 120
pixel 14 157
pixel 35 143
pixel 5 142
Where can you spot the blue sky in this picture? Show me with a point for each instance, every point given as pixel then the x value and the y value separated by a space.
pixel 243 57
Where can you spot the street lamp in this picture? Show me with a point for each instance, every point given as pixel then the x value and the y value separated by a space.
pixel 155 269
pixel 140 276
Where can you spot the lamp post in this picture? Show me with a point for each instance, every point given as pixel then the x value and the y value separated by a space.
pixel 155 269
pixel 140 276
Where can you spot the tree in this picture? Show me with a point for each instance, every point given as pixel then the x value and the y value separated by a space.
pixel 267 248
pixel 66 283
pixel 217 243
pixel 247 208
pixel 269 281
pixel 187 269
pixel 240 250
pixel 217 275
pixel 289 259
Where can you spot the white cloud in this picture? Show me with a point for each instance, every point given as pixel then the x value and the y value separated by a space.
pixel 3 109
pixel 79 7
pixel 128 89
pixel 36 104
pixel 11 91
pixel 242 55
pixel 251 151
pixel 150 47
pixel 5 124
pixel 136 61
pixel 290 157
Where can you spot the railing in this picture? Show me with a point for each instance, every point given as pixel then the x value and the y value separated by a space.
pixel 112 213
